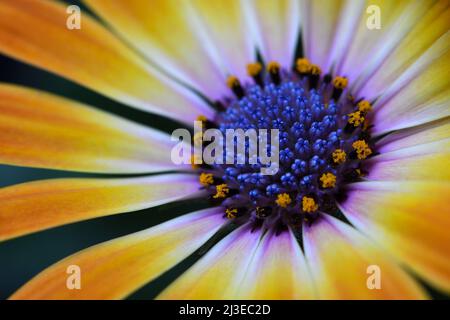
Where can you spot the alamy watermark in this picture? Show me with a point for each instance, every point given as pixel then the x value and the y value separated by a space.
pixel 73 281
pixel 374 280
pixel 73 21
pixel 234 146
pixel 374 19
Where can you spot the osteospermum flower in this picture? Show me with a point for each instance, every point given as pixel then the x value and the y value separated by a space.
pixel 364 144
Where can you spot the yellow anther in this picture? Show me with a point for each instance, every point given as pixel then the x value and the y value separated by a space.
pixel 273 67
pixel 364 106
pixel 355 118
pixel 358 171
pixel 198 139
pixel 195 161
pixel 206 179
pixel 202 118
pixel 303 65
pixel 222 191
pixel 366 124
pixel 233 82
pixel 309 205
pixel 198 136
pixel 253 69
pixel 328 180
pixel 283 200
pixel 340 82
pixel 231 213
pixel 339 156
pixel 315 70
pixel 362 149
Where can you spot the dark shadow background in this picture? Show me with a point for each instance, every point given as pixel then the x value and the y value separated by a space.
pixel 24 257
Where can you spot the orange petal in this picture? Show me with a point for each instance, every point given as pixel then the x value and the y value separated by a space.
pixel 410 220
pixel 116 268
pixel 339 257
pixel 35 206
pixel 35 32
pixel 42 130
pixel 218 275
pixel 161 30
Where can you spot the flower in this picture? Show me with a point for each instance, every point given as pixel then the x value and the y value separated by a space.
pixel 158 56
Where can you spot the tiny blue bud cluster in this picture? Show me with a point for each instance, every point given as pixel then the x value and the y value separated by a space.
pixel 313 123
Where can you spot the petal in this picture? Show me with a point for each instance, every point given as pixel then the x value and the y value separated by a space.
pixel 369 48
pixel 321 18
pixel 427 39
pixel 161 30
pixel 418 167
pixel 35 206
pixel 436 147
pixel 339 257
pixel 218 275
pixel 418 153
pixel 344 32
pixel 413 136
pixel 410 220
pixel 223 27
pixel 276 25
pixel 35 32
pixel 423 99
pixel 277 271
pixel 116 268
pixel 42 130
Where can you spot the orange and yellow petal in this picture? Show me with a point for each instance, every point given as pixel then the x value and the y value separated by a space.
pixel 219 274
pixel 278 271
pixel 429 132
pixel 420 167
pixel 341 260
pixel 39 205
pixel 116 268
pixel 35 32
pixel 410 220
pixel 369 45
pixel 276 24
pixel 422 99
pixel 163 32
pixel 419 153
pixel 42 130
pixel 426 39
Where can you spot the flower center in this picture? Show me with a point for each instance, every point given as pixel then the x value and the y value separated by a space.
pixel 323 140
